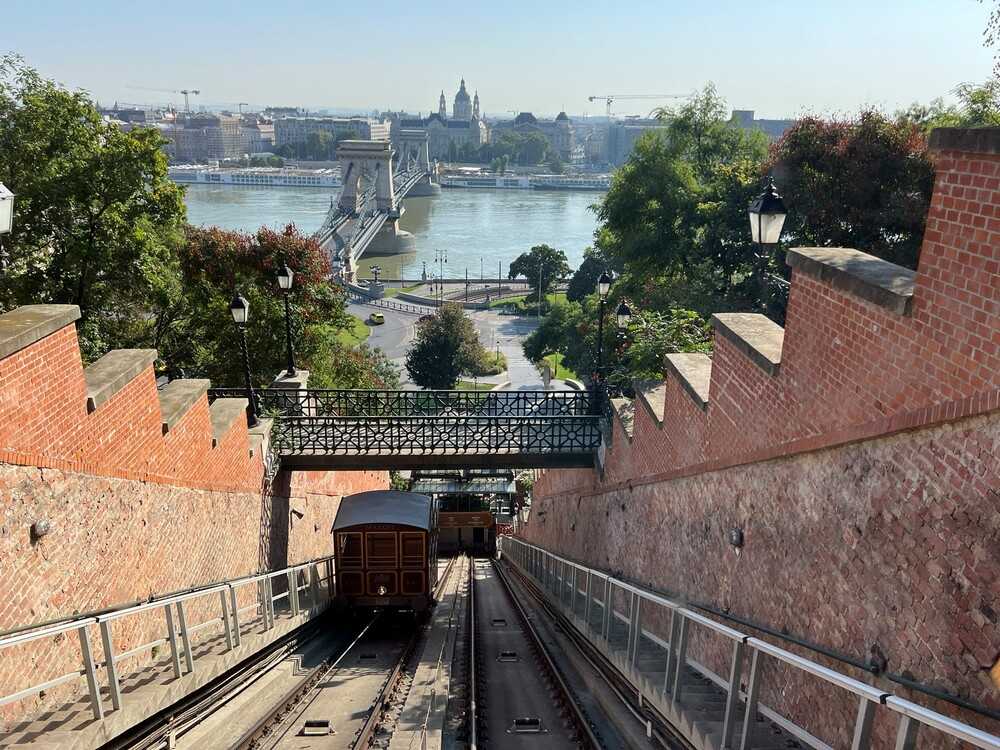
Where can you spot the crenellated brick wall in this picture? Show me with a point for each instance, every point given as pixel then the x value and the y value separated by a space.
pixel 145 491
pixel 856 449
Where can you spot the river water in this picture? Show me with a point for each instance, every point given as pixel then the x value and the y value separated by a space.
pixel 477 228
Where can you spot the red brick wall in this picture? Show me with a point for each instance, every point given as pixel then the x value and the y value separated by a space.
pixel 133 512
pixel 863 473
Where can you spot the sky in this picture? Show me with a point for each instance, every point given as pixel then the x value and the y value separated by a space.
pixel 781 58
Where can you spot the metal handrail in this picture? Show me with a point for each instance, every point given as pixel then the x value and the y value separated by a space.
pixel 549 571
pixel 178 630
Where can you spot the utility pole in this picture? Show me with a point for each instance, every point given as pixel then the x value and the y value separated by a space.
pixel 466 283
pixel 540 276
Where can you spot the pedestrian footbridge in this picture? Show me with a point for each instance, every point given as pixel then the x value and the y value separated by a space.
pixel 364 429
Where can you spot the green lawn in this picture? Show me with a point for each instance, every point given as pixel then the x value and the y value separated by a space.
pixel 356 334
pixel 557 369
pixel 523 300
pixel 469 385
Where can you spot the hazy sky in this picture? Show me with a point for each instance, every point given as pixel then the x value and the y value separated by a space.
pixel 781 58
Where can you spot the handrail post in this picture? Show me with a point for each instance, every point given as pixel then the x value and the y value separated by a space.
pixel 636 627
pixel 586 616
pixel 91 673
pixel 109 663
pixel 681 659
pixel 753 689
pixel 330 579
pixel 733 697
pixel 269 592
pixel 675 629
pixel 226 624
pixel 906 735
pixel 236 615
pixel 608 608
pixel 863 724
pixel 175 657
pixel 185 637
pixel 293 591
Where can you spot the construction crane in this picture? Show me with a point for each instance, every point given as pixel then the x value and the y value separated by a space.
pixel 241 105
pixel 185 92
pixel 611 98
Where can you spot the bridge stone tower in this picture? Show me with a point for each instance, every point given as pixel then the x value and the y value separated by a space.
pixel 414 143
pixel 370 159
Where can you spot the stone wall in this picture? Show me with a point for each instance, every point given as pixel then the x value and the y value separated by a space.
pixel 856 449
pixel 144 492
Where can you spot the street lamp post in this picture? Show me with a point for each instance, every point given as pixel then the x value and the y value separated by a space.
pixel 623 315
pixel 441 257
pixel 6 218
pixel 239 308
pixel 767 216
pixel 603 288
pixel 285 277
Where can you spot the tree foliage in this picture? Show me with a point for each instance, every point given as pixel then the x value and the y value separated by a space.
pixel 864 183
pixel 446 346
pixel 584 279
pixel 98 224
pixel 542 266
pixel 96 215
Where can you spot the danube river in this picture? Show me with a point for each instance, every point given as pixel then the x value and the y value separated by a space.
pixel 477 228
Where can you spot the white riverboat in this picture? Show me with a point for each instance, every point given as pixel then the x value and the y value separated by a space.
pixel 526 182
pixel 257 176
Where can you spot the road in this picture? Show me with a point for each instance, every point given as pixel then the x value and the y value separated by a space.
pixel 396 334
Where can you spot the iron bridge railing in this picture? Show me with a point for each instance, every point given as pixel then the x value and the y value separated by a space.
pixel 398 403
pixel 436 435
pixel 364 422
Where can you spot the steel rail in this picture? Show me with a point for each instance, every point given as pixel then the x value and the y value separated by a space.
pixel 669 736
pixel 473 734
pixel 177 719
pixel 588 738
pixel 295 695
pixel 377 710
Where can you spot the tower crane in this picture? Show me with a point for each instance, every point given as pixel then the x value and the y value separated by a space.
pixel 611 98
pixel 185 92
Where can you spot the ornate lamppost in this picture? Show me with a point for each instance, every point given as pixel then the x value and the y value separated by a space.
pixel 767 216
pixel 239 308
pixel 603 288
pixel 285 277
pixel 6 218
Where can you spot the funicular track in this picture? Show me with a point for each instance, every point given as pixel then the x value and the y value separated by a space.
pixel 516 690
pixel 659 731
pixel 286 716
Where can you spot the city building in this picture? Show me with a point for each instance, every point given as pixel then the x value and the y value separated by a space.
pixel 559 132
pixel 448 136
pixel 258 132
pixel 293 130
pixel 200 138
pixel 773 129
pixel 622 135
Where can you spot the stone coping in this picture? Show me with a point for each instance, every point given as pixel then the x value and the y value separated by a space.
pixel 114 371
pixel 872 279
pixel 756 335
pixel 28 324
pixel 224 412
pixel 177 397
pixel 653 395
pixel 260 436
pixel 973 140
pixel 694 372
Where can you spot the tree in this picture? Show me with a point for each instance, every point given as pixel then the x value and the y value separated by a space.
pixel 446 345
pixel 96 216
pixel 195 332
pixel 978 107
pixel 542 266
pixel 863 183
pixel 320 145
pixel 555 164
pixel 584 279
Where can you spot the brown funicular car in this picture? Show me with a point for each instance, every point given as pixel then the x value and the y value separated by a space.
pixel 386 550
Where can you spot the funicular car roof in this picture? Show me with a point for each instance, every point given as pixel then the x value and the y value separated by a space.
pixel 384 506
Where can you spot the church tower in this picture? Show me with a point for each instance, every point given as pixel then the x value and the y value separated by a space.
pixel 462 109
pixel 443 106
pixel 475 107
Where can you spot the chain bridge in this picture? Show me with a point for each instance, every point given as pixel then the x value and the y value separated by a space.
pixel 362 429
pixel 375 179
